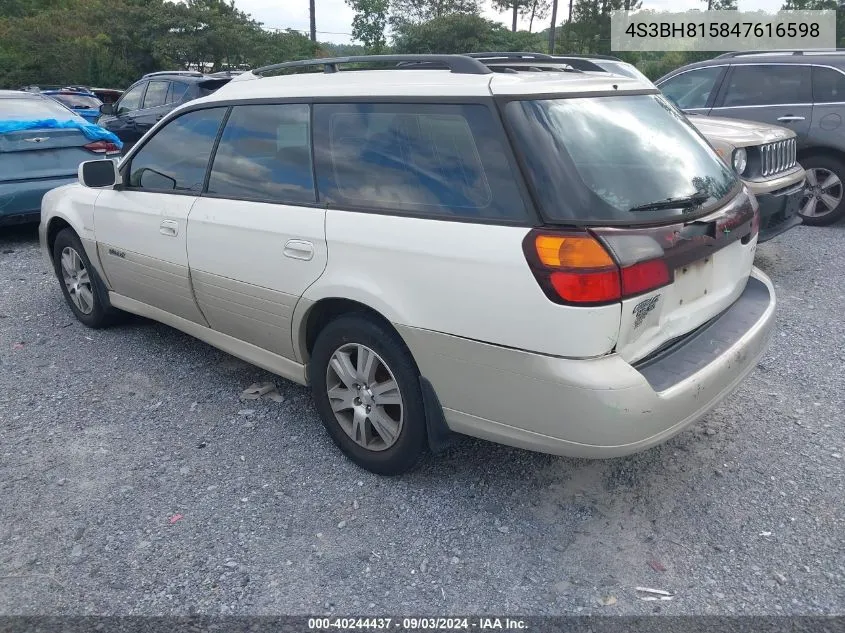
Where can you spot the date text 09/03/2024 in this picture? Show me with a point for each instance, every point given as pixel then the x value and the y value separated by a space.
pixel 416 624
pixel 722 29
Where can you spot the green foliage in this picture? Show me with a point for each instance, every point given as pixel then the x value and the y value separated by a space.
pixel 419 11
pixel 462 33
pixel 369 23
pixel 111 43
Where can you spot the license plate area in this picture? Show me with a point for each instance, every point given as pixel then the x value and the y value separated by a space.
pixel 693 281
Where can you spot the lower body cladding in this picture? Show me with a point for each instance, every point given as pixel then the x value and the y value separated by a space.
pixel 601 407
pixel 20 201
pixel 779 211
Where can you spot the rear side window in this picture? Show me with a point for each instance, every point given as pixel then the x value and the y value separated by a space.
pixel 828 85
pixel 176 157
pixel 436 160
pixel 265 154
pixel 693 88
pixel 767 84
pixel 176 92
pixel 156 94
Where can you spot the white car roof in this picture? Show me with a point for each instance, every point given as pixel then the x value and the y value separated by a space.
pixel 419 83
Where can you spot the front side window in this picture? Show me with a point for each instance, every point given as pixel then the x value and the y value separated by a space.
pixel 265 154
pixel 176 157
pixel 434 160
pixel 693 88
pixel 828 85
pixel 156 94
pixel 131 101
pixel 618 159
pixel 767 84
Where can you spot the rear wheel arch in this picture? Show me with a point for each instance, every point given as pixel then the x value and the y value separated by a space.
pixel 324 312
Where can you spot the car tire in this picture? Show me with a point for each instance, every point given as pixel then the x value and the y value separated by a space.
pixel 367 391
pixel 818 199
pixel 81 286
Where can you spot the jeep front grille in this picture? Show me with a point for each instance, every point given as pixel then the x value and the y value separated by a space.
pixel 778 157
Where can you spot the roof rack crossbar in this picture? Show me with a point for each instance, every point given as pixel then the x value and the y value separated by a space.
pixel 782 51
pixel 460 64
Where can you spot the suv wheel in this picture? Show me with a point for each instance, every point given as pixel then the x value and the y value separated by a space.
pixel 823 202
pixel 81 286
pixel 367 391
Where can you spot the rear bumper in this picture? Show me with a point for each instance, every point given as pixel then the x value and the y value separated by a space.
pixel 20 202
pixel 601 407
pixel 779 211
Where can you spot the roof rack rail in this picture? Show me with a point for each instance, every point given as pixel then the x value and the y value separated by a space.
pixel 509 55
pixel 460 64
pixel 188 73
pixel 783 51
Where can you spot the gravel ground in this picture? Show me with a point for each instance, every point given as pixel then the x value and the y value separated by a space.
pixel 134 481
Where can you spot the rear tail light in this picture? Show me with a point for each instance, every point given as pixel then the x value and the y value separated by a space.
pixel 574 268
pixel 102 147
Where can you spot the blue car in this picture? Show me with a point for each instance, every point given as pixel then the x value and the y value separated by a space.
pixel 41 145
pixel 84 103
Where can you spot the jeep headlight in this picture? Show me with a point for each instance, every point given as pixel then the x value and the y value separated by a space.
pixel 740 160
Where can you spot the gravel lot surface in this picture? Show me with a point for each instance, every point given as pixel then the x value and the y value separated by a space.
pixel 134 481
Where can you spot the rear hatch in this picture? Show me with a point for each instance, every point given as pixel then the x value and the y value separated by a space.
pixel 646 215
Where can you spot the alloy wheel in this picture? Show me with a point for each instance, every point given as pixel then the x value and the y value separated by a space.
pixel 77 280
pixel 365 397
pixel 823 193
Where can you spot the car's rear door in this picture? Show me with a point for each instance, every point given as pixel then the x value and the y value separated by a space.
pixel 154 105
pixel 256 238
pixel 779 94
pixel 141 226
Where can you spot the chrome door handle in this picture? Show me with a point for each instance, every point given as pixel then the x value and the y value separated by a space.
pixel 169 228
pixel 299 249
pixel 789 118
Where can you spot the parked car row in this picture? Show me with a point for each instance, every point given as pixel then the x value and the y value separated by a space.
pixel 801 90
pixel 554 260
pixel 36 158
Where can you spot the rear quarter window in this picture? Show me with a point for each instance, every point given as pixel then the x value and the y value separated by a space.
pixel 445 161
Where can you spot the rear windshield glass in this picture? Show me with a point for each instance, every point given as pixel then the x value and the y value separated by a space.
pixel 13 109
pixel 78 101
pixel 594 160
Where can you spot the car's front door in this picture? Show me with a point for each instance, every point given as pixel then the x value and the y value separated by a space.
pixel 779 94
pixel 122 121
pixel 256 239
pixel 141 226
pixel 694 90
pixel 154 107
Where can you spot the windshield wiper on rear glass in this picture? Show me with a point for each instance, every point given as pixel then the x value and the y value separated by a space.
pixel 687 202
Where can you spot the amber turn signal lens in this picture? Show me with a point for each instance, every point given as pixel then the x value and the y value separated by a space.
pixel 571 251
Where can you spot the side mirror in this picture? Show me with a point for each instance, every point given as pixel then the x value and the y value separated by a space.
pixel 99 174
pixel 107 108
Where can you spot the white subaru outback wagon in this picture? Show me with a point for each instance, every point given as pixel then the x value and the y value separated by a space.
pixel 557 261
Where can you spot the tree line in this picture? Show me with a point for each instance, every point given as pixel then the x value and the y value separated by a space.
pixel 111 43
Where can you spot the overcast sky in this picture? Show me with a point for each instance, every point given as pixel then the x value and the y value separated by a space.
pixel 334 17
